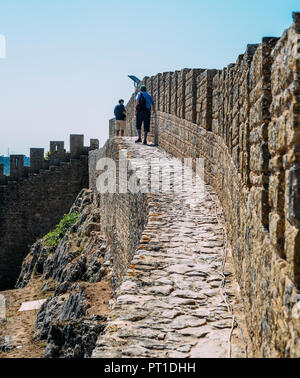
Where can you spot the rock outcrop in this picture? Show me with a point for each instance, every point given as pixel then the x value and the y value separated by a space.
pixel 65 325
pixel 80 255
pixel 80 260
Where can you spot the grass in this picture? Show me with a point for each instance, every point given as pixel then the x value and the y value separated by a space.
pixel 53 238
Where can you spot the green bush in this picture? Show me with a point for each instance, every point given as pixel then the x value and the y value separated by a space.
pixel 53 238
pixel 48 156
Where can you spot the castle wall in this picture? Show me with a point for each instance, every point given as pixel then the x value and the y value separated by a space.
pixel 245 121
pixel 34 199
pixel 123 215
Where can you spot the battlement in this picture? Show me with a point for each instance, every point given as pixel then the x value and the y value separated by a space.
pixel 38 161
pixel 33 199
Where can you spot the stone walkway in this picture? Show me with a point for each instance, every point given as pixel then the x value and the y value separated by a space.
pixel 170 303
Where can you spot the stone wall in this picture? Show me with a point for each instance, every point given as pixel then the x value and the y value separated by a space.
pixel 33 199
pixel 123 215
pixel 245 121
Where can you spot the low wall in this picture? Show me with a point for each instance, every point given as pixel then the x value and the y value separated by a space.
pixel 123 216
pixel 245 121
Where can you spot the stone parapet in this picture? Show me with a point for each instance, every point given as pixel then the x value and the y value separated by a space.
pixel 123 215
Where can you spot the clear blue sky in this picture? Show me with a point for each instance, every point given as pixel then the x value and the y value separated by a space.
pixel 67 61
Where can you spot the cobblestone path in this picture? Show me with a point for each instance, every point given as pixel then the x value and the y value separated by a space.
pixel 170 303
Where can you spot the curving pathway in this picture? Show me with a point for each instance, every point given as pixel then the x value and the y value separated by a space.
pixel 170 303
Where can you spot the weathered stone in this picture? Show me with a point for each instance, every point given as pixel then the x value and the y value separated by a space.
pixel 201 313
pixel 188 294
pixel 162 291
pixel 222 324
pixel 66 264
pixel 179 268
pixel 209 349
pixel 185 321
pixel 195 332
pixel 66 327
pixel 159 290
pixel 185 348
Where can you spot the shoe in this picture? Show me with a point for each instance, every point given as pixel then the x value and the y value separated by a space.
pixel 138 140
pixel 145 143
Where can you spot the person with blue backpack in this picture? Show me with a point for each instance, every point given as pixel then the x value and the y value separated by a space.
pixel 144 105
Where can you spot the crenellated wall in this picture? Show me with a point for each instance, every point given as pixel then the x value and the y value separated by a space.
pixel 245 121
pixel 33 199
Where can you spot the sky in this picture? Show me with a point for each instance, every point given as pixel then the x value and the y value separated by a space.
pixel 67 61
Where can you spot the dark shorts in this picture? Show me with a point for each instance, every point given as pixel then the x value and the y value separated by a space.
pixel 143 117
